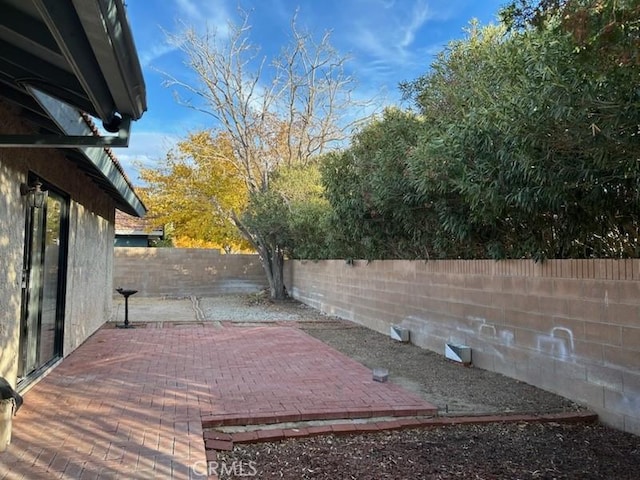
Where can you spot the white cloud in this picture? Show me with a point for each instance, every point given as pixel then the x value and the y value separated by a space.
pixel 201 15
pixel 389 36
pixel 189 8
pixel 205 14
pixel 148 56
pixel 419 16
pixel 146 149
pixel 390 31
pixel 397 40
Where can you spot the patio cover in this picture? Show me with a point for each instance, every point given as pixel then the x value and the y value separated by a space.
pixel 59 58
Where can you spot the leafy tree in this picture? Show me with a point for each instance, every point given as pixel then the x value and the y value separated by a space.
pixel 293 214
pixel 538 146
pixel 195 190
pixel 278 114
pixel 606 28
pixel 376 213
pixel 524 145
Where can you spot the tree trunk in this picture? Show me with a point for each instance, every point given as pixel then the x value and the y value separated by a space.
pixel 272 260
pixel 278 290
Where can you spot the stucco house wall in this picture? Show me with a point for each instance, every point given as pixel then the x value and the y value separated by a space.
pixel 90 255
pixel 89 274
pixel 11 241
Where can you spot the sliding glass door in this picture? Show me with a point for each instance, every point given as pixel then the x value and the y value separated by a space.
pixel 43 285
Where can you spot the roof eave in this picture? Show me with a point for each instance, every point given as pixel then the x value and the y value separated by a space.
pixel 107 28
pixel 106 46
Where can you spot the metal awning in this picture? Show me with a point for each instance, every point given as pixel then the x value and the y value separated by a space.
pixel 81 53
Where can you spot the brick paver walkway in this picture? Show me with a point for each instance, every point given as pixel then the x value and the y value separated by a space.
pixel 130 403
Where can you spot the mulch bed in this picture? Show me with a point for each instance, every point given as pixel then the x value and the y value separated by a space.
pixel 490 451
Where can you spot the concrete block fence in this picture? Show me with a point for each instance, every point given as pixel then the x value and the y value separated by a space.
pixel 568 326
pixel 182 272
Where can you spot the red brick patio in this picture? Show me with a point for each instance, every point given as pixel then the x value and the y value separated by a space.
pixel 130 403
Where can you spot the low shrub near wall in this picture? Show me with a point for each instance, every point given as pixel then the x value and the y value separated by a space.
pixel 182 272
pixel 569 326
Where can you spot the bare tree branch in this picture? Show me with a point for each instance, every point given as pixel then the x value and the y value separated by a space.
pixel 283 112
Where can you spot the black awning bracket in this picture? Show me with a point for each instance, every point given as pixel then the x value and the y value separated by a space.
pixel 70 141
pixel 77 134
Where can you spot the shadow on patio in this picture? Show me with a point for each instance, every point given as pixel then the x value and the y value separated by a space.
pixel 130 403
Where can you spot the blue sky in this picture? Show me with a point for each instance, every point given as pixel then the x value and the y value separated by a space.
pixel 388 41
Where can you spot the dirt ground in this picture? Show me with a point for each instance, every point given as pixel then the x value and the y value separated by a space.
pixel 453 388
pixel 490 451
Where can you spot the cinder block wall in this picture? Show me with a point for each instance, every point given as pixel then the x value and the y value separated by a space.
pixel 568 326
pixel 182 272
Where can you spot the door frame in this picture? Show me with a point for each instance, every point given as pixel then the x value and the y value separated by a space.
pixel 25 378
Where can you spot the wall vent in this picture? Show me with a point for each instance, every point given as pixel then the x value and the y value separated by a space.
pixel 399 333
pixel 458 353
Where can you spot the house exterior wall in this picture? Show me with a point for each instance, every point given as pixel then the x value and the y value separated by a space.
pixel 89 274
pixel 571 327
pixel 11 251
pixel 90 255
